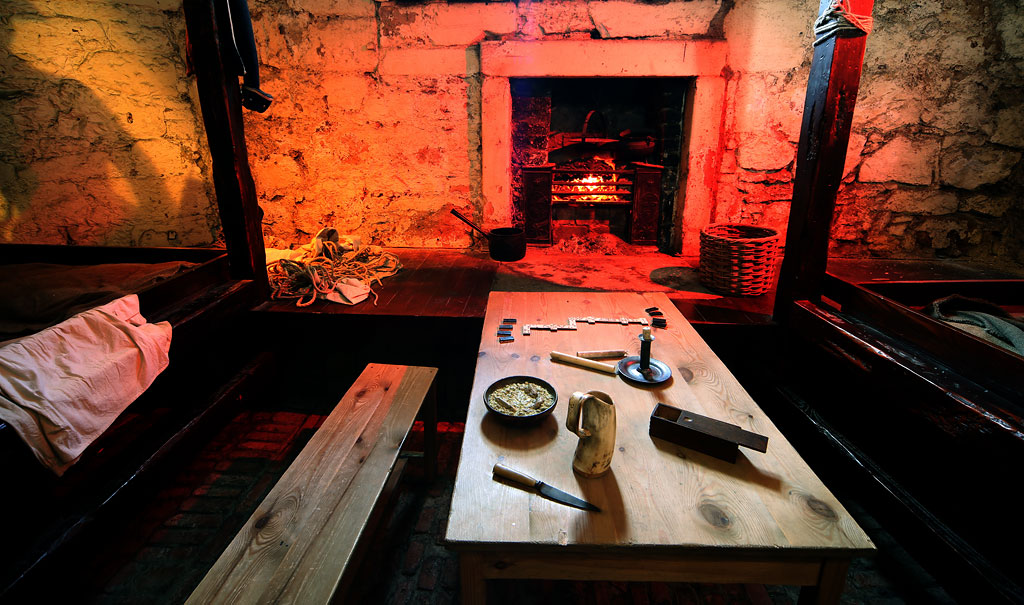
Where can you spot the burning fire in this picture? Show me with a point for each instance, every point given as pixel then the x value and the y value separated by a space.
pixel 588 188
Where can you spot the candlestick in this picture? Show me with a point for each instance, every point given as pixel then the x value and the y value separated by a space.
pixel 645 350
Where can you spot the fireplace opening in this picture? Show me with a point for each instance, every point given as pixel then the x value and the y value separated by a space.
pixel 593 156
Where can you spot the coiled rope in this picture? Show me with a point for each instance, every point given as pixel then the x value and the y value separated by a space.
pixel 839 18
pixel 303 279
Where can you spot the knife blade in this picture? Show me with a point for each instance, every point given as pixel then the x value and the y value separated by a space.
pixel 552 493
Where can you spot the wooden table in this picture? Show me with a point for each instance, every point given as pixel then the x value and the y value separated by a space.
pixel 668 513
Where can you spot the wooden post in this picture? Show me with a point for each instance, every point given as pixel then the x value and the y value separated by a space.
pixel 220 100
pixel 821 154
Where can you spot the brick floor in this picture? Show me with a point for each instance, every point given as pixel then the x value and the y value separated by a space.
pixel 163 552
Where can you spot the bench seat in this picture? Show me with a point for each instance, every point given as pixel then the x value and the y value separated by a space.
pixel 298 543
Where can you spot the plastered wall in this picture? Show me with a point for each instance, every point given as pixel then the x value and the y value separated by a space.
pixel 101 139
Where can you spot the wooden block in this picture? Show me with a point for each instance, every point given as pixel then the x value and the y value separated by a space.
pixel 713 437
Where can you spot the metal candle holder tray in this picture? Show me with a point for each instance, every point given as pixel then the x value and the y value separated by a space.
pixel 707 435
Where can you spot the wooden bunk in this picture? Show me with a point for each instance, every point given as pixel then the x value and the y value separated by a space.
pixel 212 368
pixel 920 421
pixel 927 421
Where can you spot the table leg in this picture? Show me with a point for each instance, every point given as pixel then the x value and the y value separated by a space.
pixel 830 583
pixel 474 585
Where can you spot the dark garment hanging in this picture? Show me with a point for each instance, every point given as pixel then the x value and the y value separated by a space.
pixel 245 45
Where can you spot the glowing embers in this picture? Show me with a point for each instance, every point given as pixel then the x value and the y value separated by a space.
pixel 607 187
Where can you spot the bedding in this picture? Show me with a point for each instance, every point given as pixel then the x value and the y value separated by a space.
pixel 63 386
pixel 982 319
pixel 39 295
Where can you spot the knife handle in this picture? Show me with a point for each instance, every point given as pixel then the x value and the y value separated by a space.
pixel 514 475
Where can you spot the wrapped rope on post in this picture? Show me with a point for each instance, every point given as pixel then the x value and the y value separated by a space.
pixel 840 18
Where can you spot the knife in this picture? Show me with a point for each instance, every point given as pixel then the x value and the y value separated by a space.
pixel 545 490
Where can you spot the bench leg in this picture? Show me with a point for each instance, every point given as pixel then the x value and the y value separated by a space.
pixel 430 433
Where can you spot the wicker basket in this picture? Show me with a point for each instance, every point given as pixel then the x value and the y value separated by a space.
pixel 738 260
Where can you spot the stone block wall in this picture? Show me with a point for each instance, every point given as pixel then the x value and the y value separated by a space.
pixel 376 128
pixel 102 141
pixel 939 129
pixel 933 167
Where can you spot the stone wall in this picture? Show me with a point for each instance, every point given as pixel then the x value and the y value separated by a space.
pixel 933 167
pixel 102 142
pixel 376 128
pixel 939 130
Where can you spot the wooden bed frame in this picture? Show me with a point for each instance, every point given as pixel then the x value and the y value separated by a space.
pixel 923 422
pixel 895 308
pixel 212 368
pixel 210 372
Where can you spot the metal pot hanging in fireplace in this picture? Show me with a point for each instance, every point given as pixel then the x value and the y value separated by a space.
pixel 584 173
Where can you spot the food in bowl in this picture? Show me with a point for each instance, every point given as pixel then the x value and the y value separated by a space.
pixel 520 399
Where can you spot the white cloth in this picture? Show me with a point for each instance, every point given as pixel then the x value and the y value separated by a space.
pixel 62 387
pixel 349 291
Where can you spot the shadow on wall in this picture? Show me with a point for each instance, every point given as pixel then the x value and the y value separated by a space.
pixel 90 106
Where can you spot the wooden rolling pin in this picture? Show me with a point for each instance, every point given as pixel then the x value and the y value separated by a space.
pixel 583 363
pixel 616 354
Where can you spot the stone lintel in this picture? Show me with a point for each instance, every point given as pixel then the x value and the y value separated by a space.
pixel 596 58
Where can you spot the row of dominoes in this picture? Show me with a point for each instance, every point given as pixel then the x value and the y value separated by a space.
pixel 572 321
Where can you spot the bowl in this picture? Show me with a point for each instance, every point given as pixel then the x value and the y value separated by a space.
pixel 502 411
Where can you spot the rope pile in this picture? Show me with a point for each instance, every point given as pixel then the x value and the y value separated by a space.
pixel 839 18
pixel 304 278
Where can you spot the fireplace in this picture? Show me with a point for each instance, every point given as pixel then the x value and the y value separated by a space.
pixel 699 64
pixel 596 155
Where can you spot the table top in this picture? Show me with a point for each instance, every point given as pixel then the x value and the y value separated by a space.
pixel 657 495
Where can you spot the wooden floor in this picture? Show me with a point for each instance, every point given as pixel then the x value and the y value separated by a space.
pixel 864 271
pixel 432 283
pixel 454 283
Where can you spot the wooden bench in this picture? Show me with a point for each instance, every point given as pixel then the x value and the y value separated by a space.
pixel 300 540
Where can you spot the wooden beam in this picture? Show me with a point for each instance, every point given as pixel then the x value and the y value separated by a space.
pixel 220 99
pixel 821 154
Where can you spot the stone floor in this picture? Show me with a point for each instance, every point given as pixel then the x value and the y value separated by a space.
pixel 160 554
